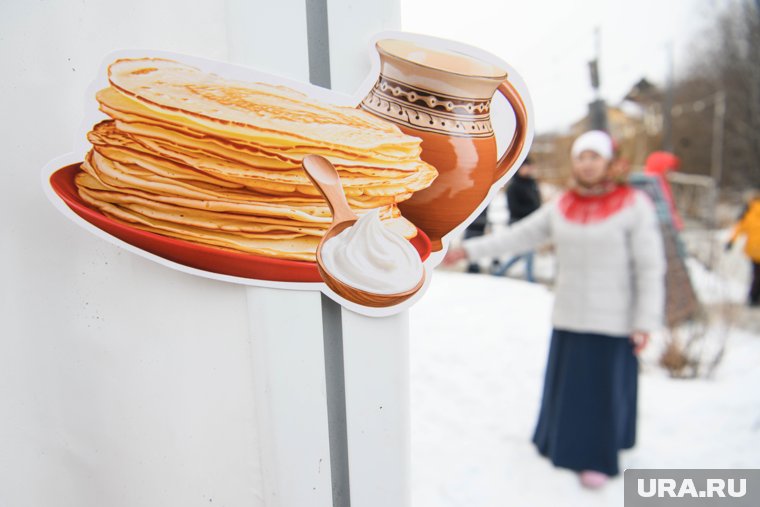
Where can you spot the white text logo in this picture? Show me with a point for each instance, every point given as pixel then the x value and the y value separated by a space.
pixel 715 488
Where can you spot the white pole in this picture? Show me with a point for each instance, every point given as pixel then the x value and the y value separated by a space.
pixel 376 355
pixel 291 403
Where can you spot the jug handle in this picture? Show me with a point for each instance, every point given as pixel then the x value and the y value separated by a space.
pixel 521 129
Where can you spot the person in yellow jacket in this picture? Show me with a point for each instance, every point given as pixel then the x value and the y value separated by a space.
pixel 749 226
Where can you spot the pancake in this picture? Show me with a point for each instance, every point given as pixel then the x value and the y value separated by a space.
pixel 114 145
pixel 251 153
pixel 173 162
pixel 299 248
pixel 229 222
pixel 231 213
pixel 128 175
pixel 272 116
pixel 296 180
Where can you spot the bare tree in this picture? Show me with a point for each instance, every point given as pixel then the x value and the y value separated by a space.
pixel 725 72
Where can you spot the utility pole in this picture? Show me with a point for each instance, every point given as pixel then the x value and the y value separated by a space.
pixel 719 116
pixel 667 106
pixel 597 108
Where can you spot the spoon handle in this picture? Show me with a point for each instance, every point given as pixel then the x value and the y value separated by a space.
pixel 324 176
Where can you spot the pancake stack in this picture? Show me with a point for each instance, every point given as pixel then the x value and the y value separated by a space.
pixel 193 156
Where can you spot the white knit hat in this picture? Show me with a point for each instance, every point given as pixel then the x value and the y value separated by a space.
pixel 596 141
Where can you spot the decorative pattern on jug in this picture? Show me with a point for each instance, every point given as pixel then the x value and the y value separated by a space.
pixel 422 110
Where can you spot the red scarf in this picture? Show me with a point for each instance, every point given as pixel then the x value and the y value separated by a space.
pixel 589 208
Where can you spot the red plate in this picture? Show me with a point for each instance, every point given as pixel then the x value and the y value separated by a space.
pixel 207 258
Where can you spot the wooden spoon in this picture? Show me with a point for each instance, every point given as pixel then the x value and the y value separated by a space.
pixel 324 176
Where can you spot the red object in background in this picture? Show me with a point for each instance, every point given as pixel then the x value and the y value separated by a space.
pixel 658 164
pixel 194 255
pixel 661 162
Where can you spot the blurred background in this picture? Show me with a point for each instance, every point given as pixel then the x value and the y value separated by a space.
pixel 681 80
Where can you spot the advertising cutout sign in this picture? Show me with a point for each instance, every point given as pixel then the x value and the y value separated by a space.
pixel 226 172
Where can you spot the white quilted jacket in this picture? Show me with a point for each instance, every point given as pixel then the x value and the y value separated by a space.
pixel 611 263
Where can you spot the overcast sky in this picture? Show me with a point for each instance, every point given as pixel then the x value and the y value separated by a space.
pixel 549 42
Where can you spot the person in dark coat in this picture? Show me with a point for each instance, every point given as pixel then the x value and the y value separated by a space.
pixel 476 229
pixel 523 198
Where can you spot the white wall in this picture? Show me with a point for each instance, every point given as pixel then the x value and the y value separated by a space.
pixel 122 383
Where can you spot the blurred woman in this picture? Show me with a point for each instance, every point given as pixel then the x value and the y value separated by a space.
pixel 609 298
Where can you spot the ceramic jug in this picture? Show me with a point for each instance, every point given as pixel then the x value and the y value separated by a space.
pixel 444 98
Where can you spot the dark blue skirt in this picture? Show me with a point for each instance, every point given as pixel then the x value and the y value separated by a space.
pixel 588 410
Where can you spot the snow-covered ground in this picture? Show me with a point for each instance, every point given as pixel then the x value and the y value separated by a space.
pixel 479 345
